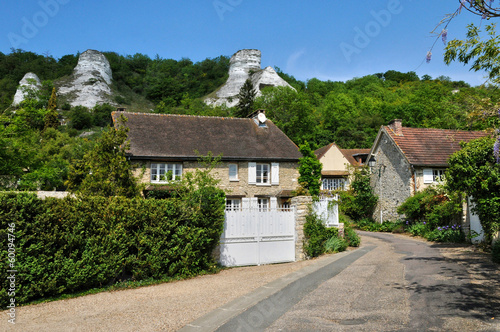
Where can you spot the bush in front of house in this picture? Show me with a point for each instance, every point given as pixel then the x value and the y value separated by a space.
pixel 351 237
pixel 320 239
pixel 359 201
pixel 74 244
pixel 433 206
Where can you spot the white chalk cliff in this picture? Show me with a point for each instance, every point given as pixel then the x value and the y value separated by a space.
pixel 245 64
pixel 90 82
pixel 29 81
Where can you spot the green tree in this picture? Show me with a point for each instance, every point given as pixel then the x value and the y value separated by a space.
pixel 473 170
pixel 484 54
pixel 246 98
pixel 309 170
pixel 104 170
pixel 359 201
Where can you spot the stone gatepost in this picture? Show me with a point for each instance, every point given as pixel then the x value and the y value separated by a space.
pixel 301 205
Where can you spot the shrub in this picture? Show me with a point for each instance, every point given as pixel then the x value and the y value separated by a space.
pixel 74 244
pixel 419 229
pixel 316 234
pixel 432 206
pixel 359 201
pixel 452 234
pixel 351 237
pixel 335 244
pixel 495 252
pixel 80 118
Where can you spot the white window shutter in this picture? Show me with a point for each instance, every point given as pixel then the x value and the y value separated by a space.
pixel 252 173
pixel 245 203
pixel 275 173
pixel 254 202
pixel 274 203
pixel 428 175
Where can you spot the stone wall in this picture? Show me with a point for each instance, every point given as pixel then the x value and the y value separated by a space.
pixel 288 175
pixel 301 205
pixel 391 180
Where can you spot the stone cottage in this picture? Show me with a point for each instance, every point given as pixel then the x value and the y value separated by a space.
pixel 336 162
pixel 408 160
pixel 259 164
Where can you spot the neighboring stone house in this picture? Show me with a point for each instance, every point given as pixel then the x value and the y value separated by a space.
pixel 259 162
pixel 336 162
pixel 408 160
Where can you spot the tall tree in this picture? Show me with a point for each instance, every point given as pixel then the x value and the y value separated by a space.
pixel 104 170
pixel 309 170
pixel 473 170
pixel 246 98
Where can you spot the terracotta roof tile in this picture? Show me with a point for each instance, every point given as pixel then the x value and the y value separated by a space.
pixel 350 153
pixel 179 136
pixel 431 147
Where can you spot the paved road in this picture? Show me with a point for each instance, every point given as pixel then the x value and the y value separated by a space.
pixel 392 283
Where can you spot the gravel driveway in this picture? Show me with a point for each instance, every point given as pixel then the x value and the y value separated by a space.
pixel 164 307
pixel 170 306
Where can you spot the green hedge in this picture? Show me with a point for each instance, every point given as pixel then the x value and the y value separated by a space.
pixel 69 245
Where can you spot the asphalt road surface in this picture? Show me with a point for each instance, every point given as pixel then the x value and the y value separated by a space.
pixel 391 283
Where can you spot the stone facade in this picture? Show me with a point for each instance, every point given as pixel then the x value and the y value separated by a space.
pixel 288 175
pixel 391 179
pixel 301 205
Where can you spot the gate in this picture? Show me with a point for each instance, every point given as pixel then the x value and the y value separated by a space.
pixel 254 236
pixel 328 210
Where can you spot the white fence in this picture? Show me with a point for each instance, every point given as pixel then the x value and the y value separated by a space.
pixel 328 210
pixel 266 234
pixel 254 236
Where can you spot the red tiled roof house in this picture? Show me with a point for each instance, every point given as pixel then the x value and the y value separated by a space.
pixel 259 161
pixel 407 160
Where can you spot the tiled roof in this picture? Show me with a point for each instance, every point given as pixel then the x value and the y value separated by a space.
pixel 179 136
pixel 350 153
pixel 431 147
pixel 321 151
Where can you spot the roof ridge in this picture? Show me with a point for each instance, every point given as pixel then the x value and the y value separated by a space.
pixel 440 129
pixel 183 115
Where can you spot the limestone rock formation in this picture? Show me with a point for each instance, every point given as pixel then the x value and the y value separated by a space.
pixel 90 82
pixel 29 81
pixel 242 65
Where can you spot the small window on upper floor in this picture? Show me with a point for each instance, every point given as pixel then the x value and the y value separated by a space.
pixel 233 172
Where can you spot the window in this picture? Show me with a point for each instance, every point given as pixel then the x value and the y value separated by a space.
pixel 433 175
pixel 333 184
pixel 262 175
pixel 438 175
pixel 233 204
pixel 163 173
pixel 263 204
pixel 233 172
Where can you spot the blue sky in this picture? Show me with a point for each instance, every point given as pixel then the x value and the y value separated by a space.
pixel 335 40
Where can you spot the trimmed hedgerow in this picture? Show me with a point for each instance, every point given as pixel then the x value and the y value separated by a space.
pixel 74 244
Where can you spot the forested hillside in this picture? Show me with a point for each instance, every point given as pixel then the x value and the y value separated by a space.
pixel 35 153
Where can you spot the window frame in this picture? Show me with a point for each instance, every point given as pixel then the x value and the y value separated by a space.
pixel 263 204
pixel 155 177
pixel 235 176
pixel 231 206
pixel 262 179
pixel 338 183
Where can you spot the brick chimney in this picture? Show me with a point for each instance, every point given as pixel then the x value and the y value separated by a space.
pixel 396 126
